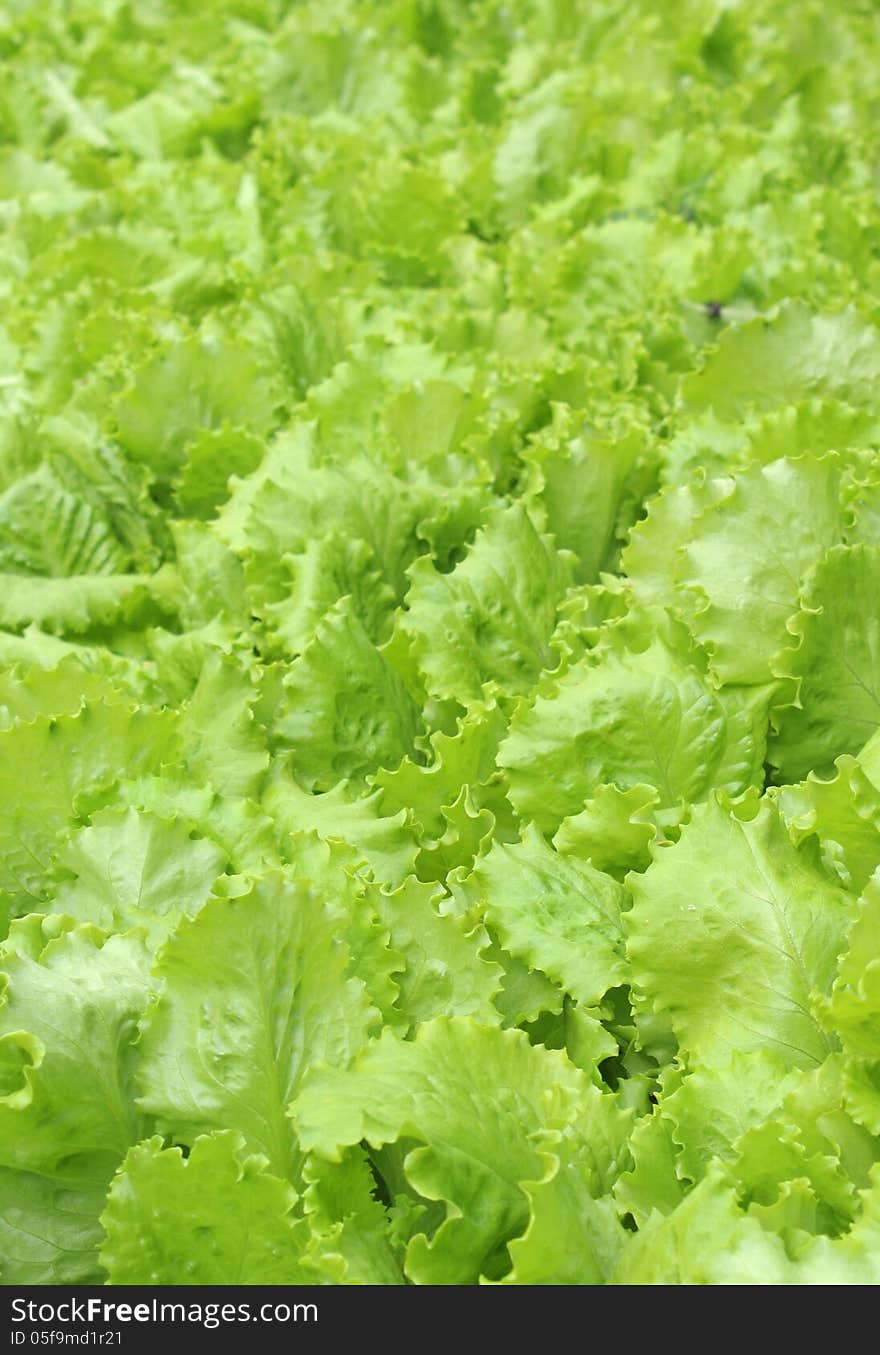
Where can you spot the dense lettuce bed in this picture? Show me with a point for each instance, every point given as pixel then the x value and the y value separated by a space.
pixel 440 642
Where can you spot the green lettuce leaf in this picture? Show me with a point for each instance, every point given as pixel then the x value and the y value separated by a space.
pixel 710 1240
pixel 572 1237
pixel 495 613
pixel 613 831
pixel 445 969
pixel 560 915
pixel 344 710
pixel 434 1090
pixel 134 869
pixel 72 758
pixel 836 665
pixel 50 1230
pixel 352 1240
pixel 581 478
pixel 844 814
pixel 639 710
pixel 252 991
pixel 68 1024
pixel 231 1222
pixel 742 595
pixel 733 934
pixel 793 356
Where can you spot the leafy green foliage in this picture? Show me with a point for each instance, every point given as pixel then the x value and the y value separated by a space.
pixel 439 643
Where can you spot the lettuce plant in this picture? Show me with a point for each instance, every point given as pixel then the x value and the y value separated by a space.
pixel 439 643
